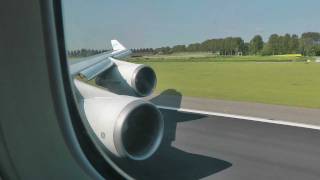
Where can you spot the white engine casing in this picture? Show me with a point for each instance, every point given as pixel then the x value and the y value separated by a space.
pixel 127 126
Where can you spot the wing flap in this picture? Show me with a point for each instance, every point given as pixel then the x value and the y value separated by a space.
pixel 88 62
pixel 96 69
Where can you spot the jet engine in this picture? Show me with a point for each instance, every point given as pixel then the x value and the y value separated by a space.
pixel 128 78
pixel 127 127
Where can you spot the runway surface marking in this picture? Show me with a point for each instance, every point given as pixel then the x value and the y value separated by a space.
pixel 271 121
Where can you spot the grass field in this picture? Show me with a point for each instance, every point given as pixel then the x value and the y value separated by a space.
pixel 287 83
pixel 207 57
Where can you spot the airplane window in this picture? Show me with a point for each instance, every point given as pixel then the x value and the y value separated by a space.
pixel 198 89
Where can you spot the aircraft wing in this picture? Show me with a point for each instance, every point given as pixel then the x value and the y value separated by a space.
pixel 95 65
pixel 113 108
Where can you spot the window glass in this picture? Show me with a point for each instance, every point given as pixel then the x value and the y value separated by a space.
pixel 235 82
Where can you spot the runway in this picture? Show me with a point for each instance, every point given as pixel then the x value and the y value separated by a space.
pixel 198 146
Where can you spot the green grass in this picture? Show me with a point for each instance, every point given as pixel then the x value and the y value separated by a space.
pixel 294 84
pixel 205 57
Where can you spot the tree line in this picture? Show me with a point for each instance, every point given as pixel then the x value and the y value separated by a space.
pixel 84 52
pixel 308 45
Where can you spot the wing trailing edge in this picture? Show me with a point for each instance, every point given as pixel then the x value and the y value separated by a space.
pixel 95 65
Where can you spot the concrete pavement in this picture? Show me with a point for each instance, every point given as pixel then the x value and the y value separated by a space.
pixel 196 146
pixel 173 98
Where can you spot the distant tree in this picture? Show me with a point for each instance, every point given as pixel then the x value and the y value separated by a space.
pixel 179 48
pixel 237 45
pixel 273 44
pixel 284 41
pixel 294 44
pixel 194 47
pixel 246 49
pixel 163 50
pixel 309 43
pixel 256 45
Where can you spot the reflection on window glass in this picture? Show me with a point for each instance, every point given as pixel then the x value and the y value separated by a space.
pixel 215 65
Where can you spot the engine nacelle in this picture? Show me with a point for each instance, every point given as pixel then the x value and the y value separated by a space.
pixel 128 79
pixel 126 126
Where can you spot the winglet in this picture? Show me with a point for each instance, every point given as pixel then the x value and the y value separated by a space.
pixel 117 46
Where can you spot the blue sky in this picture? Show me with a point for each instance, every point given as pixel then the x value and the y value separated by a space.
pixel 156 23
